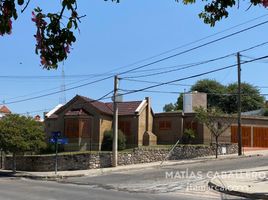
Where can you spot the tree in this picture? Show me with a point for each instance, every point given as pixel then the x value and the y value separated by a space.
pixel 20 134
pixel 107 142
pixel 169 107
pixel 174 106
pixel 188 136
pixel 251 99
pixel 55 35
pixel 214 90
pixel 215 10
pixel 225 97
pixel 216 121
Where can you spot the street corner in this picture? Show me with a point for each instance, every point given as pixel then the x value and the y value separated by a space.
pixel 249 184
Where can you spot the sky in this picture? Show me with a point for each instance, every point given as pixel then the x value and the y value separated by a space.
pixel 114 38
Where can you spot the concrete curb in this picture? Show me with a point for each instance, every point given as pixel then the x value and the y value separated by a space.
pixel 237 193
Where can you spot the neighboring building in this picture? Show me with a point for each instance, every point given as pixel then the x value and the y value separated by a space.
pixel 4 110
pixel 38 118
pixel 84 122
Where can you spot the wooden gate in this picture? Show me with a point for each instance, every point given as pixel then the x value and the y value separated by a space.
pixel 260 137
pixel 246 135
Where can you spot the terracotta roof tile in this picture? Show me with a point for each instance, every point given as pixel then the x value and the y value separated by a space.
pixel 124 108
pixel 4 109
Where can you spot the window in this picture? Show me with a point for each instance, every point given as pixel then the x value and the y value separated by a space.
pixel 191 125
pixel 164 125
pixel 72 128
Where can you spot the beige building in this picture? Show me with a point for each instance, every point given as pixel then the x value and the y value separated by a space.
pixel 84 121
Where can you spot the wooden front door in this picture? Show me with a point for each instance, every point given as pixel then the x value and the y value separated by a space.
pixel 246 135
pixel 260 137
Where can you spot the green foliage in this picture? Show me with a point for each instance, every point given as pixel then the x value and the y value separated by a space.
pixel 265 113
pixel 215 10
pixel 174 107
pixel 107 142
pixel 215 120
pixel 53 40
pixel 250 99
pixel 179 103
pixel 214 91
pixel 20 134
pixel 188 136
pixel 225 97
pixel 169 107
pixel 53 37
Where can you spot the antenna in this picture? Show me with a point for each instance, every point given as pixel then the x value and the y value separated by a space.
pixel 62 99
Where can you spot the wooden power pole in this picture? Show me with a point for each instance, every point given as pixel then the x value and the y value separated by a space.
pixel 239 134
pixel 115 122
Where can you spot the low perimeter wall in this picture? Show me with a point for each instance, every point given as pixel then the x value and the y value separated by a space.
pixel 83 161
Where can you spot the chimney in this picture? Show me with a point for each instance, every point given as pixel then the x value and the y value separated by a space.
pixel 148 114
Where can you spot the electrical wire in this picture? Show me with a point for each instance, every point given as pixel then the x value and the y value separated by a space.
pixel 193 76
pixel 146 65
pixel 187 66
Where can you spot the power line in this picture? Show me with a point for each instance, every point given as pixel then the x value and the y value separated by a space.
pixel 143 66
pixel 81 104
pixel 52 93
pixel 196 47
pixel 188 44
pixel 175 92
pixel 182 68
pixel 187 66
pixel 154 82
pixel 193 76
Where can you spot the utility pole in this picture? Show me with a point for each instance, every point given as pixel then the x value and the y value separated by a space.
pixel 115 123
pixel 239 134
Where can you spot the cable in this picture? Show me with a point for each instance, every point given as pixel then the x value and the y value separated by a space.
pixel 140 67
pixel 174 92
pixel 193 76
pixel 196 47
pixel 196 64
pixel 154 82
pixel 52 93
pixel 188 44
pixel 182 68
pixel 81 104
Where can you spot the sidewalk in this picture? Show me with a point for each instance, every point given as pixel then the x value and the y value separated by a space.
pixel 96 172
pixel 250 183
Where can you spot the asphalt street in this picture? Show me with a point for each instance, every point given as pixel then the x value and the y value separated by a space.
pixel 169 182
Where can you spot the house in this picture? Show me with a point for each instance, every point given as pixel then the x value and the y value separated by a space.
pixel 84 122
pixel 4 110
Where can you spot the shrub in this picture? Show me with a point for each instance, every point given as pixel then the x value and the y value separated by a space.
pixel 265 113
pixel 188 136
pixel 107 142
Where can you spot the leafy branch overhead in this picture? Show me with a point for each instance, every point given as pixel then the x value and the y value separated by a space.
pixel 55 31
pixel 53 37
pixel 215 10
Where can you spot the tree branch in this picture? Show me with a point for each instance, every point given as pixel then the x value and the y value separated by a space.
pixel 28 2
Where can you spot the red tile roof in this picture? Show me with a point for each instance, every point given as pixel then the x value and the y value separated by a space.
pixel 124 108
pixel 4 109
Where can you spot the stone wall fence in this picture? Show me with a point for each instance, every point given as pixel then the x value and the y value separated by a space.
pixel 94 160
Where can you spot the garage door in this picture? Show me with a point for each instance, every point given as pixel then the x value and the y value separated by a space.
pixel 246 135
pixel 260 137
